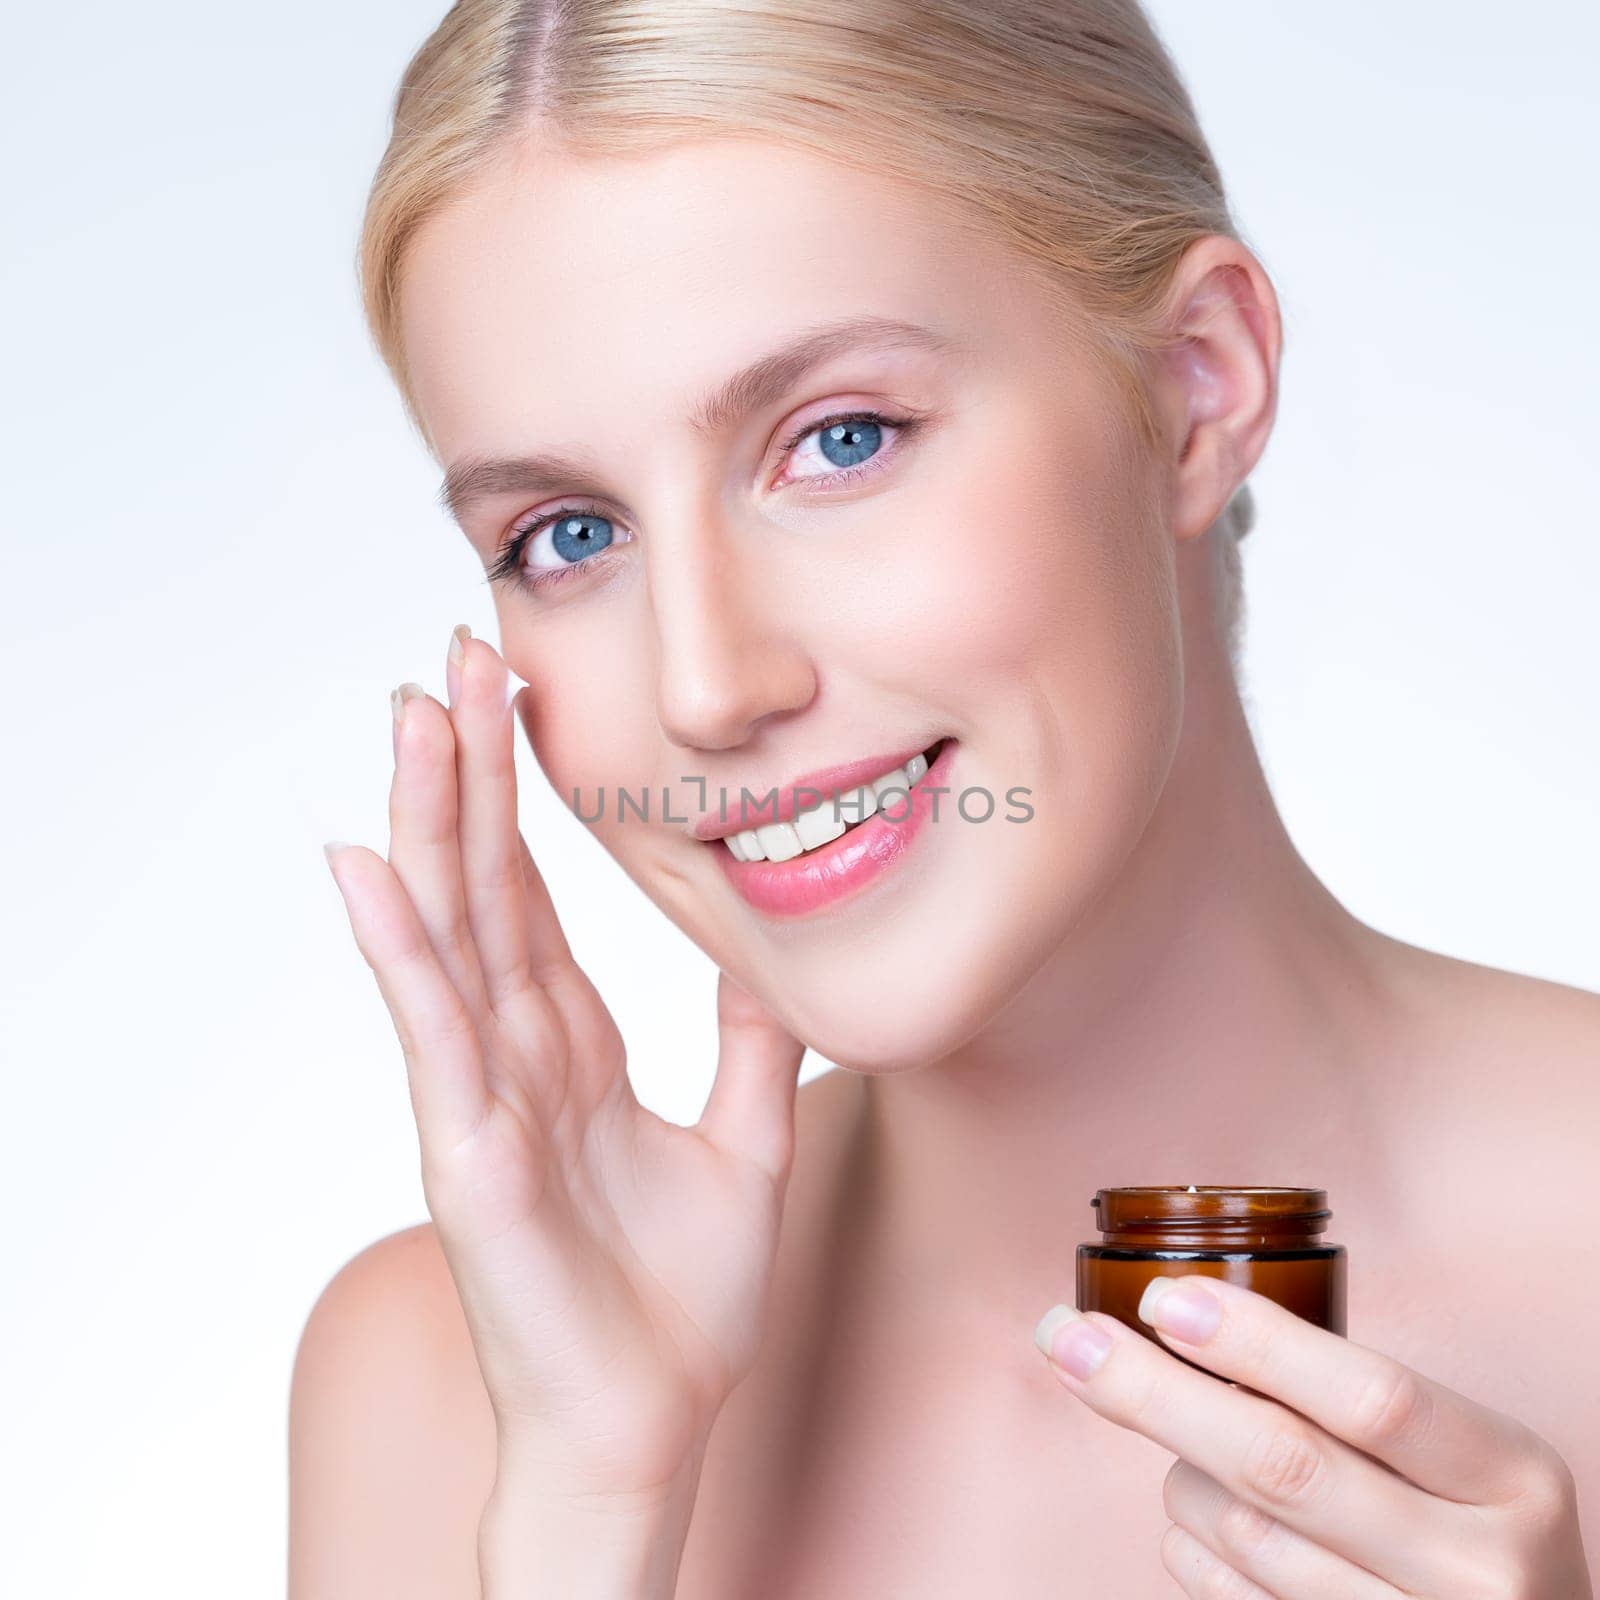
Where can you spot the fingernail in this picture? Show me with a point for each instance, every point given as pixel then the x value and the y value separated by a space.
pixel 1183 1307
pixel 453 660
pixel 1071 1341
pixel 397 704
pixel 332 848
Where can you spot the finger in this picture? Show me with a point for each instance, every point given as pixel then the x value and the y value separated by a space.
pixel 597 1059
pixel 449 1097
pixel 423 847
pixel 1251 1542
pixel 1265 1454
pixel 491 865
pixel 1439 1439
pixel 1200 1574
pixel 750 1110
pixel 549 955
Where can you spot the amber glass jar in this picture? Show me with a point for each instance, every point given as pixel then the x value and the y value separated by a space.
pixel 1265 1239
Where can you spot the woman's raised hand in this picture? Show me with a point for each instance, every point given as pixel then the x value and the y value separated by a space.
pixel 613 1267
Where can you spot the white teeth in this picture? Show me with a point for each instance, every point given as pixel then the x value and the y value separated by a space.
pixel 856 805
pixel 818 826
pixel 777 841
pixel 892 784
pixel 824 820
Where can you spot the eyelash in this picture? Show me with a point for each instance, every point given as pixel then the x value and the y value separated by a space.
pixel 509 565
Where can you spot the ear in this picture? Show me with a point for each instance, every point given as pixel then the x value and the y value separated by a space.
pixel 1219 376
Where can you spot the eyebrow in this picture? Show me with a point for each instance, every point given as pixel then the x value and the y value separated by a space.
pixel 768 378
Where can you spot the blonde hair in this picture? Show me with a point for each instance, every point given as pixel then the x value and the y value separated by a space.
pixel 1060 127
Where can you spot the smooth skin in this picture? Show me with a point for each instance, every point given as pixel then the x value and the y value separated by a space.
pixel 788 1351
pixel 612 1266
pixel 1345 1473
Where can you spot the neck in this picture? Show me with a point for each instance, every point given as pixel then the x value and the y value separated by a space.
pixel 1213 1019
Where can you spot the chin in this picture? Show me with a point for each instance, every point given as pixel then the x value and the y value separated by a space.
pixel 917 990
pixel 936 950
pixel 893 1042
pixel 917 984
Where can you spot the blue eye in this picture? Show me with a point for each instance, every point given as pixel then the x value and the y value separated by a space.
pixel 577 537
pixel 850 443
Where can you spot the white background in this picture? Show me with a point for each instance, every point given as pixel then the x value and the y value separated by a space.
pixel 221 553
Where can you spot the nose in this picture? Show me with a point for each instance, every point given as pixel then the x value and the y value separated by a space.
pixel 727 656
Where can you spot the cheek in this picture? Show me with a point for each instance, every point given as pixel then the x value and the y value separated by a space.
pixel 1053 568
pixel 1103 655
pixel 589 720
pixel 1064 652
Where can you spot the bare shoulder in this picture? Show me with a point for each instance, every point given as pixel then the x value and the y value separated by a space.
pixel 1497 1006
pixel 391 1436
pixel 391 1433
pixel 1516 1052
pixel 1501 1086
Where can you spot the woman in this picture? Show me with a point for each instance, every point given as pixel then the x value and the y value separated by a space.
pixel 829 389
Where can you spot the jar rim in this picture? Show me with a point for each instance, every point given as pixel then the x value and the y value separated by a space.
pixel 1210 1204
pixel 1211 1188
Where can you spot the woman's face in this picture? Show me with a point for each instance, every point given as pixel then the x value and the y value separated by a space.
pixel 991 565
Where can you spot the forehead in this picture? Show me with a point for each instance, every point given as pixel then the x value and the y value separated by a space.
pixel 556 284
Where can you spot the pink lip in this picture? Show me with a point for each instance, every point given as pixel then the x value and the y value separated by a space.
pixel 789 798
pixel 823 877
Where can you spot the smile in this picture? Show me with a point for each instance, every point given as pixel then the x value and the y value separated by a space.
pixel 836 846
pixel 832 816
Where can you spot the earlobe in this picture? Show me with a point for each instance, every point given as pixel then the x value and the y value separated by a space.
pixel 1221 365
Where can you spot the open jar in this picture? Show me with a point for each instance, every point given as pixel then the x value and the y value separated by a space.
pixel 1264 1239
